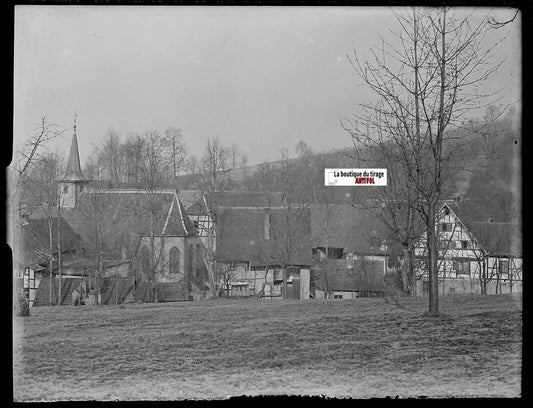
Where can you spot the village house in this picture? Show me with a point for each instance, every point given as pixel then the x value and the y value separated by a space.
pixel 34 252
pixel 350 253
pixel 244 229
pixel 255 244
pixel 33 276
pixel 476 254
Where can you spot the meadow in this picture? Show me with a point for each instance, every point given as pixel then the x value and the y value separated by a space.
pixel 218 348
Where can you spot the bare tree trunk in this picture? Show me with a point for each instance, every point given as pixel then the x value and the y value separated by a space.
pixel 153 267
pixel 433 272
pixel 51 261
pixel 285 287
pixel 59 266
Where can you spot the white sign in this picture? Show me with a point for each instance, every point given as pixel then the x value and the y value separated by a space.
pixel 355 177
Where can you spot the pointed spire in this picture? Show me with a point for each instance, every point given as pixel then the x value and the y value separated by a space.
pixel 73 167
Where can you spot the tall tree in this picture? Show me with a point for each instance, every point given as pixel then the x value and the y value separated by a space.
pixel 18 179
pixel 423 82
pixel 42 194
pixel 155 168
pixel 288 233
pixel 177 149
pixel 214 166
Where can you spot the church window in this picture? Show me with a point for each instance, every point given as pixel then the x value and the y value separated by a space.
pixel 174 260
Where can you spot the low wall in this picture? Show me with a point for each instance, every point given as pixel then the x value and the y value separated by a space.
pixel 469 286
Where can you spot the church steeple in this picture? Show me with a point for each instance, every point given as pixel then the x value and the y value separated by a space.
pixel 73 172
pixel 72 184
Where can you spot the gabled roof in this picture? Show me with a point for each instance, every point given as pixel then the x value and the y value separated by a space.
pixel 35 240
pixel 354 229
pixel 241 236
pixel 496 238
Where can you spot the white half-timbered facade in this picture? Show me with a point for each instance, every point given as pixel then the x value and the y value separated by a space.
pixel 473 257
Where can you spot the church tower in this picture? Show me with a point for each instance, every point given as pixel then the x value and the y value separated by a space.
pixel 73 182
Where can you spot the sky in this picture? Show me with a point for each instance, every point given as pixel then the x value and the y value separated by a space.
pixel 263 78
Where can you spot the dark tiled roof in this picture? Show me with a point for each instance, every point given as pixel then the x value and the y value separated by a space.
pixel 349 275
pixel 353 228
pixel 189 197
pixel 35 240
pixel 126 214
pixel 241 236
pixel 497 236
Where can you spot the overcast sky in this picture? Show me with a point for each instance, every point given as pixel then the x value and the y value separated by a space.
pixel 261 77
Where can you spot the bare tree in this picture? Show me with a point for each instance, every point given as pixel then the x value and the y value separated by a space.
pixel 212 176
pixel 493 23
pixel 213 166
pixel 225 275
pixel 27 154
pixel 154 171
pixel 288 231
pixel 423 86
pixel 177 149
pixel 41 192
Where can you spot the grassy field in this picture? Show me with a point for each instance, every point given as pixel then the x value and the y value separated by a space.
pixel 214 349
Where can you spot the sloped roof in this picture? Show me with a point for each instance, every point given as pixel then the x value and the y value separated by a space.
pixel 241 236
pixel 122 215
pixel 35 240
pixel 349 275
pixel 73 172
pixel 259 199
pixel 189 197
pixel 133 209
pixel 353 228
pixel 498 238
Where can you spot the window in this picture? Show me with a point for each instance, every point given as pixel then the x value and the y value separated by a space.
pixel 446 227
pixel 452 290
pixel 464 244
pixel 196 224
pixel 337 296
pixel 446 211
pixel 461 267
pixel 174 256
pixel 65 189
pixel 504 267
